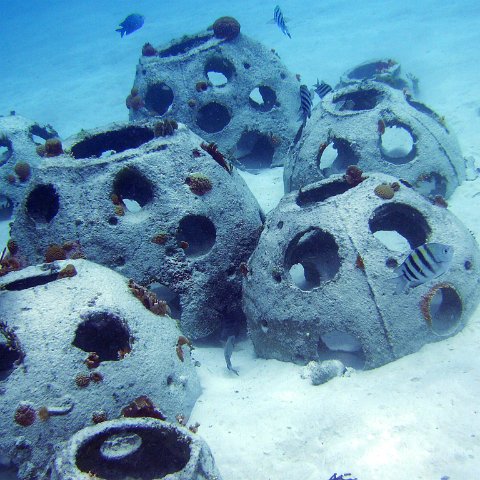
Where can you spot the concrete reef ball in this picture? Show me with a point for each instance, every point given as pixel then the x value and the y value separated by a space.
pixel 86 351
pixel 167 212
pixel 19 140
pixel 234 92
pixel 377 128
pixel 140 448
pixel 320 282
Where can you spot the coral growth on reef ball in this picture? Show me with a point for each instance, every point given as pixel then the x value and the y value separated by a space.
pixel 23 171
pixel 199 184
pixel 384 191
pixel 226 27
pixel 160 238
pixel 142 407
pixel 67 272
pixel 148 50
pixel 25 415
pixel 82 380
pixel 99 417
pixel 12 246
pixel 353 175
pixel 149 299
pixel 201 86
pixel 164 128
pixel 212 150
pixel 92 361
pixel 134 100
pixel 53 147
pixel 55 252
pixel 180 343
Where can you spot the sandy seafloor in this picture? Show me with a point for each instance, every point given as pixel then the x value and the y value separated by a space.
pixel 417 418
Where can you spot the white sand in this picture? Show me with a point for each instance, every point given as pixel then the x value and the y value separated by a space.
pixel 417 418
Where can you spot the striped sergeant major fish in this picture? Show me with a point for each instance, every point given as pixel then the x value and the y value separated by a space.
pixel 306 100
pixel 426 262
pixel 279 19
pixel 321 89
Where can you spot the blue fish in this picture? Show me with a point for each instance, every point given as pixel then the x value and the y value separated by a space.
pixel 130 24
pixel 280 21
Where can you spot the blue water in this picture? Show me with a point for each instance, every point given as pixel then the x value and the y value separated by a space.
pixel 62 63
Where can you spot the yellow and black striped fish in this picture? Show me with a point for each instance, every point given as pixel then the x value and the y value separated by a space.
pixel 426 262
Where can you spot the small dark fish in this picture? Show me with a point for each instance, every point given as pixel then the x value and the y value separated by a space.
pixel 227 352
pixel 343 476
pixel 130 24
pixel 426 262
pixel 306 101
pixel 322 89
pixel 280 21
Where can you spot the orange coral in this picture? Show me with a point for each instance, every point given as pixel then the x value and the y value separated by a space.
pixel 55 252
pixel 384 191
pixel 53 147
pixel 82 380
pixel 12 246
pixel 23 171
pixel 201 86
pixel 99 417
pixel 165 128
pixel 226 27
pixel 354 175
pixel 142 407
pixel 92 361
pixel 25 415
pixel 67 272
pixel 212 149
pixel 199 184
pixel 160 238
pixel 178 348
pixel 134 101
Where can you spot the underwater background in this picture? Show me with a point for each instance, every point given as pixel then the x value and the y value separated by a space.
pixel 62 63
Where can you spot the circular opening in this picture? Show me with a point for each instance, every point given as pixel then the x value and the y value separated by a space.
pixel 166 294
pixel 103 333
pixel 105 144
pixel 160 452
pixel 9 351
pixel 403 219
pixel 337 345
pixel 335 156
pixel 219 71
pixel 357 100
pixel 445 310
pixel 196 234
pixel 312 258
pixel 213 117
pixel 313 194
pixel 431 184
pixel 397 145
pixel 262 98
pixel 255 150
pixel 5 149
pixel 43 203
pixel 158 98
pixel 132 186
pixel 6 208
pixel 264 326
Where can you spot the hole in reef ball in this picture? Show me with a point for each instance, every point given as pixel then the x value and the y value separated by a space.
pixel 445 311
pixel 312 258
pixel 163 451
pixel 336 157
pixel 103 333
pixel 262 98
pixel 115 141
pixel 130 184
pixel 397 144
pixel 158 98
pixel 213 117
pixel 338 345
pixel 199 234
pixel 403 219
pixel 254 150
pixel 43 203
pixel 219 71
pixel 358 100
pixel 431 184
